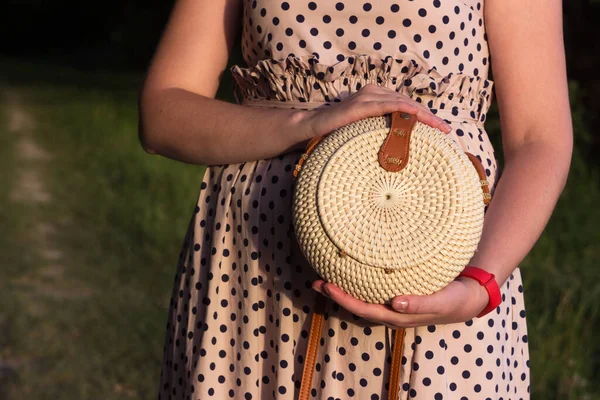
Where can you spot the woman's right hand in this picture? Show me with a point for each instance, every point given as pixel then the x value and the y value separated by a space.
pixel 369 101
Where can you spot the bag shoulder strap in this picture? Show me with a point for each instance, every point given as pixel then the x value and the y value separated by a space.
pixel 312 348
pixel 316 325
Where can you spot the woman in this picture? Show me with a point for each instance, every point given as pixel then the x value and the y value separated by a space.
pixel 238 321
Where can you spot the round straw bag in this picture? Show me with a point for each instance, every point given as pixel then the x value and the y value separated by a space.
pixel 388 205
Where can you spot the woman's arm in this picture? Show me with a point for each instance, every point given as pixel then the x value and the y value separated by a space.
pixel 526 45
pixel 181 119
pixel 528 59
pixel 178 115
pixel 195 129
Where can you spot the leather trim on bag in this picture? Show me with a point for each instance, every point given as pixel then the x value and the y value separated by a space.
pixel 393 155
pixel 487 197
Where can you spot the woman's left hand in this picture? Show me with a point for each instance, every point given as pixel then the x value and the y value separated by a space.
pixel 461 300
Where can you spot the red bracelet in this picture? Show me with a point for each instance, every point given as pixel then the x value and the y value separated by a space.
pixel 488 281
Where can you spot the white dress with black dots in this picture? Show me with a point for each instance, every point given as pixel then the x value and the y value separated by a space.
pixel 239 317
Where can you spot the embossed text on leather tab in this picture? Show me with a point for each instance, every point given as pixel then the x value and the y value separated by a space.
pixel 393 155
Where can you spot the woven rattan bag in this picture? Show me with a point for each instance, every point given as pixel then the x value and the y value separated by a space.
pixel 388 205
pixel 385 206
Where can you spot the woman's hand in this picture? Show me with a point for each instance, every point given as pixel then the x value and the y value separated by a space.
pixel 369 101
pixel 461 300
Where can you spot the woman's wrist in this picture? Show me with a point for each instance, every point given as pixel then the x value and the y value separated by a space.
pixel 299 129
pixel 480 297
pixel 294 130
pixel 487 282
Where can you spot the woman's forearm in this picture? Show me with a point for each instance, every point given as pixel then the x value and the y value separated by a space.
pixel 196 129
pixel 525 196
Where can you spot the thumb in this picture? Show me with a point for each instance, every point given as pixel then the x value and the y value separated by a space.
pixel 417 304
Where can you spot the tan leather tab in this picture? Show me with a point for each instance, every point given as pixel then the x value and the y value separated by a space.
pixel 310 357
pixel 393 155
pixel 309 148
pixel 394 377
pixel 487 197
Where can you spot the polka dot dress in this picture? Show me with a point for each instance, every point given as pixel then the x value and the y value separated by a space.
pixel 240 310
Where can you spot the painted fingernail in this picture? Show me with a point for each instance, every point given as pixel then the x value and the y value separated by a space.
pixel 400 305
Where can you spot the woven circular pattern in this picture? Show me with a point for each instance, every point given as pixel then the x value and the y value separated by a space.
pixel 378 234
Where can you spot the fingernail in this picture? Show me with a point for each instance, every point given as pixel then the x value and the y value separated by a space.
pixel 446 126
pixel 400 305
pixel 326 290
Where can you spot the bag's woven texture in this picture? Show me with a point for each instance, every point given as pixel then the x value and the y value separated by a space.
pixel 378 234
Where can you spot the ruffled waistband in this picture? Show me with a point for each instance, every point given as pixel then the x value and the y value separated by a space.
pixel 304 79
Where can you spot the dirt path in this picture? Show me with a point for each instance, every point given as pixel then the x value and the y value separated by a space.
pixel 31 191
pixel 44 282
pixel 31 159
pixel 30 188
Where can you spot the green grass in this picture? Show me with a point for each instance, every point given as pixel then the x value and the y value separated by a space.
pixel 119 216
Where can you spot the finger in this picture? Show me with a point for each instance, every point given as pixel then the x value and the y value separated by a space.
pixel 416 304
pixel 318 286
pixel 328 120
pixel 343 113
pixel 436 303
pixel 379 313
pixel 427 117
pixel 383 105
pixel 370 92
pixel 445 127
pixel 373 98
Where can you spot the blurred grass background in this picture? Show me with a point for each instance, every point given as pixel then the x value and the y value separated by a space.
pixel 92 225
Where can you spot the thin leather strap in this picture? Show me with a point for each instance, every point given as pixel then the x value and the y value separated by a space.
pixel 487 197
pixel 394 377
pixel 312 347
pixel 310 359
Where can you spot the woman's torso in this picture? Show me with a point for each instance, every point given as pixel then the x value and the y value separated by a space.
pixel 242 297
pixel 446 34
